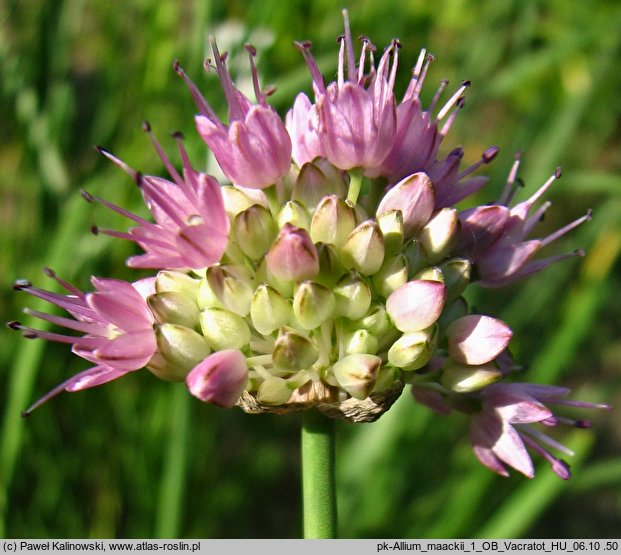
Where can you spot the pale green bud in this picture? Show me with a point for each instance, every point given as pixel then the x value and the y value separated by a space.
pixel 235 200
pixel 254 230
pixel 391 224
pixel 274 391
pixel 330 267
pixel 206 298
pixel 357 373
pixel 174 308
pixel 313 183
pixel 431 273
pixel 336 178
pixel 413 349
pixel 332 221
pixel 295 214
pixel 463 378
pixel 392 275
pixel 223 329
pixel 353 296
pixel 182 348
pixel 268 310
pixel 456 273
pixel 264 275
pixel 360 341
pixel 363 250
pixel 439 235
pixel 293 351
pixel 313 304
pixel 164 370
pixel 415 256
pixel 376 320
pixel 180 282
pixel 233 287
pixel 386 378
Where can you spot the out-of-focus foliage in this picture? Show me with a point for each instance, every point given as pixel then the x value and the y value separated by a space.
pixel 139 457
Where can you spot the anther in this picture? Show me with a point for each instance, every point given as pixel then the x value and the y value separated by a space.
pixel 30 334
pixel 146 126
pixel 269 90
pixel 49 272
pixel 94 230
pixel 466 83
pixel 490 154
pixel 177 67
pixel 250 49
pixel 14 325
pixel 87 196
pixel 178 135
pixel 21 284
pixel 589 215
pixel 558 173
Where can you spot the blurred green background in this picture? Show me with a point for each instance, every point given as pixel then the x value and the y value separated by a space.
pixel 139 458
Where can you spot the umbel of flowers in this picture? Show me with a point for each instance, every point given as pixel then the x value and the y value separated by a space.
pixel 330 271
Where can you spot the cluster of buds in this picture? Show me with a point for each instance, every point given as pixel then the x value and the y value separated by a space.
pixel 330 272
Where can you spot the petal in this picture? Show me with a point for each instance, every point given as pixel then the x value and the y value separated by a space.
pixel 416 305
pixel 480 228
pixel 201 245
pixel 477 339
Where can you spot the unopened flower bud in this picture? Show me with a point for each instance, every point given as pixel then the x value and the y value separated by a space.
pixel 220 378
pixel 313 304
pixel 264 275
pixel 255 230
pixel 330 268
pixel 363 250
pixel 332 221
pixel 430 273
pixel 360 341
pixel 353 296
pixel 415 198
pixel 440 234
pixel 293 256
pixel 180 282
pixel 268 310
pixel 236 200
pixel 357 373
pixel 223 329
pixel 312 184
pixel 376 320
pixel 416 305
pixel 293 351
pixel 233 287
pixel 175 308
pixel 164 370
pixel 274 391
pixel 456 272
pixel 295 214
pixel 392 275
pixel 391 224
pixel 182 348
pixel 413 349
pixel 416 257
pixel 477 339
pixel 206 298
pixel 463 378
pixel 336 178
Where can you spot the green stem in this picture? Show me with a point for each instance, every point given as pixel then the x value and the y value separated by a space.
pixel 318 483
pixel 355 184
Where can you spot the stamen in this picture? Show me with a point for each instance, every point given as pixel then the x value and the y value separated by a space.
pixel 235 110
pixel 559 233
pixel 537 217
pixel 453 100
pixel 340 72
pixel 129 215
pixel 486 158
pixel 21 284
pixel 117 161
pixel 432 105
pixel 559 467
pixel 365 45
pixel 349 49
pixel 396 46
pixel 449 121
pixel 304 48
pixel 163 157
pixel 199 99
pixel 94 328
pixel 420 80
pixel 252 52
pixel 533 432
pixel 64 284
pixel 509 191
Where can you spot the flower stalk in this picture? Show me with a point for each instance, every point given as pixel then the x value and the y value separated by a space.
pixel 318 480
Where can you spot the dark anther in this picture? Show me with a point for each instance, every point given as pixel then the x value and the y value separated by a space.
pixel 14 325
pixel 490 154
pixel 87 196
pixel 558 172
pixel 146 126
pixel 138 179
pixel 177 67
pixel 589 214
pixel 21 284
pixel 460 102
pixel 178 135
pixel 94 230
pixel 251 49
pixel 465 83
pixel 49 272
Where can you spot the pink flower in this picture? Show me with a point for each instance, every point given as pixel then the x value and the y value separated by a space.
pixel 416 305
pixel 501 431
pixel 116 322
pixel 494 237
pixel 303 126
pixel 293 256
pixel 219 379
pixel 191 225
pixel 254 150
pixel 356 115
pixel 477 339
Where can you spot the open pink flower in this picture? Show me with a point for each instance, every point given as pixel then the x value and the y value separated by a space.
pixel 502 430
pixel 254 150
pixel 116 322
pixel 495 239
pixel 191 225
pixel 356 115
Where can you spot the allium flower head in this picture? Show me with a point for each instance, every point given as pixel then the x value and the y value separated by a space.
pixel 335 287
